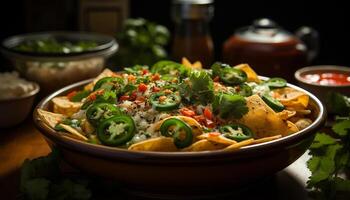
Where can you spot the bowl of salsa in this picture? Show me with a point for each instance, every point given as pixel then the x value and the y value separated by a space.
pixel 323 79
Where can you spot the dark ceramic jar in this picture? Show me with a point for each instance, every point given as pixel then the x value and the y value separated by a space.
pixel 271 50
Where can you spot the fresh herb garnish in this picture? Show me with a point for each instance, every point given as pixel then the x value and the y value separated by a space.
pixel 229 106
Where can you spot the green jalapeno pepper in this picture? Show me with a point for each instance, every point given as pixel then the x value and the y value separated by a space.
pixel 232 76
pixel 109 83
pixel 165 102
pixel 237 132
pixel 273 103
pixel 245 90
pixel 116 131
pixel 171 68
pixel 100 111
pixel 179 130
pixel 276 83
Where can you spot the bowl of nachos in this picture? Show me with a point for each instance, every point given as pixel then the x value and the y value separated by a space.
pixel 173 125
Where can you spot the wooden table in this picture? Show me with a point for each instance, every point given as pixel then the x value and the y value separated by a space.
pixel 17 144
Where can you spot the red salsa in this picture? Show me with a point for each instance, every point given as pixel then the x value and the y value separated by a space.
pixel 328 78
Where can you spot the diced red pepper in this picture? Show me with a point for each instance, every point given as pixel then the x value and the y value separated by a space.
pixel 207 113
pixel 142 87
pixel 155 77
pixel 124 98
pixel 71 95
pixel 187 112
pixel 216 79
pixel 155 89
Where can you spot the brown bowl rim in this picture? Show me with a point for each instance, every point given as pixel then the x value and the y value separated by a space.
pixel 27 95
pixel 303 70
pixel 149 156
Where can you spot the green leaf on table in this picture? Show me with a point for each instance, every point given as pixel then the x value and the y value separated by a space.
pixel 36 189
pixel 322 167
pixel 342 128
pixel 322 139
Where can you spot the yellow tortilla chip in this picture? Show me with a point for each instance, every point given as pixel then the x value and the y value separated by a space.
pixel 238 145
pixel 286 114
pixel 262 120
pixel 155 144
pixel 217 138
pixel 50 118
pixel 204 145
pixel 195 65
pixel 75 133
pixel 291 97
pixel 252 76
pixel 266 139
pixel 62 105
pixel 104 73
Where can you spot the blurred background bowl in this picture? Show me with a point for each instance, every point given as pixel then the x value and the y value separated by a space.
pixel 16 110
pixel 55 70
pixel 321 90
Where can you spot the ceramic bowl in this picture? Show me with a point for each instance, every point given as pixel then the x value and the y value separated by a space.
pixel 319 90
pixel 181 173
pixel 15 110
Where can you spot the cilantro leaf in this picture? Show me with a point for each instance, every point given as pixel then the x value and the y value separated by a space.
pixel 80 95
pixel 322 139
pixel 338 103
pixel 230 106
pixel 342 128
pixel 324 166
pixel 199 87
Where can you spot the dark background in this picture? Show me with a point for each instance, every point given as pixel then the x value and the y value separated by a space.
pixel 330 18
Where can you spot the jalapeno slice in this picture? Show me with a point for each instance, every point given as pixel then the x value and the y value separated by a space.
pixel 237 132
pixel 273 103
pixel 165 102
pixel 245 90
pixel 100 111
pixel 232 76
pixel 179 130
pixel 109 83
pixel 171 68
pixel 276 83
pixel 116 131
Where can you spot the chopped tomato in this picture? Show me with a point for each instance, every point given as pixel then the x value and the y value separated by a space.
pixel 187 112
pixel 207 113
pixel 216 79
pixel 71 95
pixel 142 87
pixel 209 123
pixel 144 71
pixel 155 89
pixel 92 96
pixel 155 77
pixel 124 98
pixel 133 96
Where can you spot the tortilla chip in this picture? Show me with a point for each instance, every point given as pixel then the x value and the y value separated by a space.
pixel 104 73
pixel 204 145
pixel 292 128
pixel 266 139
pixel 155 144
pixel 74 132
pixel 286 114
pixel 50 118
pixel 291 97
pixel 64 106
pixel 238 145
pixel 217 138
pixel 252 76
pixel 196 127
pixel 262 120
pixel 187 63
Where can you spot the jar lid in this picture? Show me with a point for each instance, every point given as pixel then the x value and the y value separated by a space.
pixel 192 9
pixel 265 31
